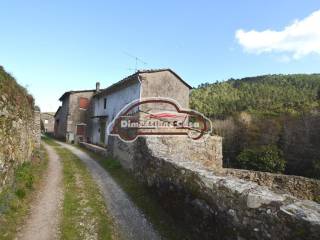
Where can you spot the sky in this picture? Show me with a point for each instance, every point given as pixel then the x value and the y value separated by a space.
pixel 51 47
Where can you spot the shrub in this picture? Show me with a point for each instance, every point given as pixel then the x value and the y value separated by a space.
pixel 21 193
pixel 265 158
pixel 315 170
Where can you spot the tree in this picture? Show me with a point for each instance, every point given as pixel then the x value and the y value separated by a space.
pixel 265 158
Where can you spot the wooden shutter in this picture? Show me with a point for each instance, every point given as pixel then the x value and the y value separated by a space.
pixel 84 103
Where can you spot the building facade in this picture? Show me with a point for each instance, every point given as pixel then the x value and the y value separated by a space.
pixel 47 122
pixel 72 117
pixel 106 104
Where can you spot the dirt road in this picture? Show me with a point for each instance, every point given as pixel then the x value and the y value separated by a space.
pixel 131 223
pixel 45 210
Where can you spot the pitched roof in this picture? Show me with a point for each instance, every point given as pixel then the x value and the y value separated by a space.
pixel 134 76
pixel 71 92
pixel 165 69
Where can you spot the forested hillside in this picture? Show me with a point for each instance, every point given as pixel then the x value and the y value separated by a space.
pixel 270 94
pixel 269 123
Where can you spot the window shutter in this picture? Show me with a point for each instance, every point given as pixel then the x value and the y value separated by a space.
pixel 84 103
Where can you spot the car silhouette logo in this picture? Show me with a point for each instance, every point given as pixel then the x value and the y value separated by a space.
pixel 158 116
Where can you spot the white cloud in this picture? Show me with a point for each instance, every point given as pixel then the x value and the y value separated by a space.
pixel 283 58
pixel 295 41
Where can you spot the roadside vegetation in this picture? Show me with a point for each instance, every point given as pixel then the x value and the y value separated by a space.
pixel 49 141
pixel 84 213
pixel 16 95
pixel 143 198
pixel 16 198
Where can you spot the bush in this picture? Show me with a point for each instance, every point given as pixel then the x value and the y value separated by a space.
pixel 315 170
pixel 265 158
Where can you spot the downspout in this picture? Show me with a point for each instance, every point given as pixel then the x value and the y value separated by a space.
pixel 140 92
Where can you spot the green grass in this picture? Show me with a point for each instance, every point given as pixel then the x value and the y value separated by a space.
pixel 50 141
pixel 83 204
pixel 16 198
pixel 143 198
pixel 16 96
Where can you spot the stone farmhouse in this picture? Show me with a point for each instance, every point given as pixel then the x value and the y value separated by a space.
pixel 108 102
pixel 72 117
pixel 47 122
pixel 85 115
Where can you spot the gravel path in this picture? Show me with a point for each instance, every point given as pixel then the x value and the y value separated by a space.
pixel 131 223
pixel 45 210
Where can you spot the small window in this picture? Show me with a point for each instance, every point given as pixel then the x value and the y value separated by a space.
pixel 83 103
pixel 105 103
pixel 46 121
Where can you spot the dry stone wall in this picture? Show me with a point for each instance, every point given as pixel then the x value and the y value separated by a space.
pixel 300 187
pixel 19 127
pixel 214 205
pixel 206 153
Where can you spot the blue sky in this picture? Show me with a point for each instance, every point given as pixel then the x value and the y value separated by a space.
pixel 55 46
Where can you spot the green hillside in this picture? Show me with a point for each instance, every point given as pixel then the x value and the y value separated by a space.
pixel 270 94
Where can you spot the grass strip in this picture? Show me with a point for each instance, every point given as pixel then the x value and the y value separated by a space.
pixel 16 198
pixel 84 212
pixel 49 141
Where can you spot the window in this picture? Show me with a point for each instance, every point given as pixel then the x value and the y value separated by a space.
pixel 46 121
pixel 83 103
pixel 105 103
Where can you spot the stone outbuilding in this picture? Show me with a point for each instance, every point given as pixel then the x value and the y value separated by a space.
pixel 72 117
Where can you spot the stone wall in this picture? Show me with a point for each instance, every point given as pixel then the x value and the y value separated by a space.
pixel 207 153
pixel 47 119
pixel 300 187
pixel 76 115
pixel 19 127
pixel 36 126
pixel 124 152
pixel 70 115
pixel 61 120
pixel 94 148
pixel 211 204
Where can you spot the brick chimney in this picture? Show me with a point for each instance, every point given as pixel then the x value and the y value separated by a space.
pixel 97 86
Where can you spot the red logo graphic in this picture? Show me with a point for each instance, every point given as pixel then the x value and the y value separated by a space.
pixel 158 116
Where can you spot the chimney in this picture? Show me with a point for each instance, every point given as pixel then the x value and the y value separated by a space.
pixel 97 86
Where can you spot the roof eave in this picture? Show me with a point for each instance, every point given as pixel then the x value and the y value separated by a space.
pixel 169 70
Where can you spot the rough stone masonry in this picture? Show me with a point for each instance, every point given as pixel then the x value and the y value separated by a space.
pixel 191 184
pixel 19 136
